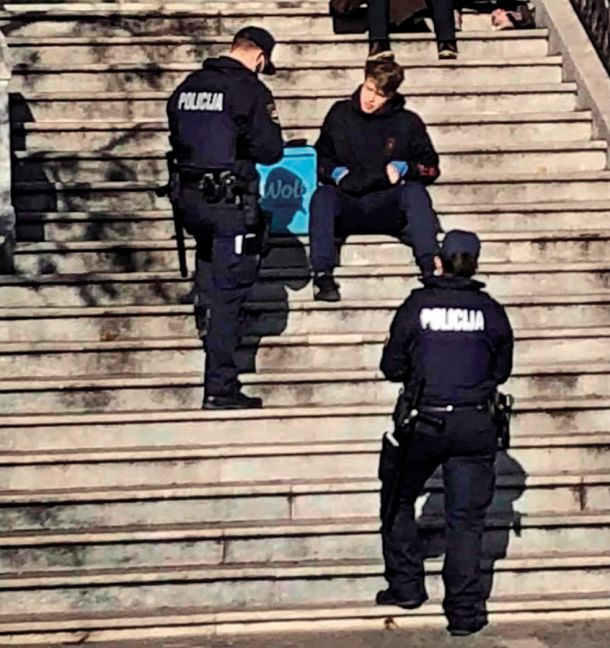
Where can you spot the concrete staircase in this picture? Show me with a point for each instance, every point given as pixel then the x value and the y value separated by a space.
pixel 128 512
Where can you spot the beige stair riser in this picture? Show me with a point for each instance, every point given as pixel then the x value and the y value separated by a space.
pixel 155 170
pixel 120 227
pixel 275 395
pixel 336 464
pixel 180 322
pixel 200 23
pixel 164 291
pixel 149 431
pixel 281 593
pixel 536 189
pixel 357 546
pixel 139 140
pixel 338 79
pixel 126 259
pixel 456 134
pixel 475 103
pixel 307 357
pixel 288 53
pixel 295 506
pixel 297 108
pixel 109 229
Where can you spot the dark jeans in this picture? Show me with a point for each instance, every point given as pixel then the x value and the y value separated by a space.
pixel 379 19
pixel 444 19
pixel 223 281
pixel 442 15
pixel 404 211
pixel 466 449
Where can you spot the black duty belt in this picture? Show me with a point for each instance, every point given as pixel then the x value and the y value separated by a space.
pixel 216 186
pixel 448 409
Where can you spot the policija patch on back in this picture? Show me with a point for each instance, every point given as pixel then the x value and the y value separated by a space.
pixel 202 101
pixel 452 319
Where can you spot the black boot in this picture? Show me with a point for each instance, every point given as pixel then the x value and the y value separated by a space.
pixel 233 402
pixel 387 597
pixel 466 629
pixel 326 288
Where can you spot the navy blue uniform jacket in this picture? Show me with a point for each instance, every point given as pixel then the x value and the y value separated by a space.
pixel 453 335
pixel 222 117
pixel 366 143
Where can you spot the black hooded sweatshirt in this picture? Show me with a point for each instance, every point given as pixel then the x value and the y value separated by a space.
pixel 366 143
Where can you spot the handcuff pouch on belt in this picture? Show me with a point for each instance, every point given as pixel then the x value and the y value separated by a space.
pixel 225 187
pixel 221 187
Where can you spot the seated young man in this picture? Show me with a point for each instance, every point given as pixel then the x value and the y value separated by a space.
pixel 374 161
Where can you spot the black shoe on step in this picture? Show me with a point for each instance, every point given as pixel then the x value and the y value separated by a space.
pixel 380 50
pixel 466 629
pixel 387 597
pixel 234 402
pixel 326 288
pixel 447 50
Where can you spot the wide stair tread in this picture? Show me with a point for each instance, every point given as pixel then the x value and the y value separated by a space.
pixel 270 413
pixel 306 569
pixel 277 528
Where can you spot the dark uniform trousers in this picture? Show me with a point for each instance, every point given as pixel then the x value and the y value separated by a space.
pixel 223 282
pixel 466 449
pixel 404 211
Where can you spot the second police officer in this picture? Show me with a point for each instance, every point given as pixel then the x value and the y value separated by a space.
pixel 223 121
pixel 452 345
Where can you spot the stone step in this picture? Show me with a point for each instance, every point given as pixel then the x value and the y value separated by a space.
pixel 179 625
pixel 334 75
pixel 508 535
pixel 336 352
pixel 291 285
pixel 515 157
pixel 46 141
pixel 127 225
pixel 166 322
pixel 45 21
pixel 38 195
pixel 38 433
pixel 290 50
pixel 127 392
pixel 274 585
pixel 228 464
pixel 295 106
pixel 138 508
pixel 153 256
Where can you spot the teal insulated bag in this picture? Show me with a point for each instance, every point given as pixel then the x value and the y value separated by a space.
pixel 287 187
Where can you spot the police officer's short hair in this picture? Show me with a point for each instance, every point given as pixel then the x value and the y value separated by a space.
pixel 387 75
pixel 239 42
pixel 460 265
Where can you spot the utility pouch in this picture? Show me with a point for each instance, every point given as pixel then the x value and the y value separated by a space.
pixel 501 409
pixel 251 211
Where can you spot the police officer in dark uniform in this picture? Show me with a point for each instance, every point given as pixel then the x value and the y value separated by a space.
pixel 222 122
pixel 453 343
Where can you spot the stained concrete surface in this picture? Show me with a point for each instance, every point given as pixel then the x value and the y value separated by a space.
pixel 577 634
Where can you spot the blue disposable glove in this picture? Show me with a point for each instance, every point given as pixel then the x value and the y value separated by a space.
pixel 339 173
pixel 401 166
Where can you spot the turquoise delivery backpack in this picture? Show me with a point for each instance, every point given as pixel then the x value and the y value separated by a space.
pixel 287 187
